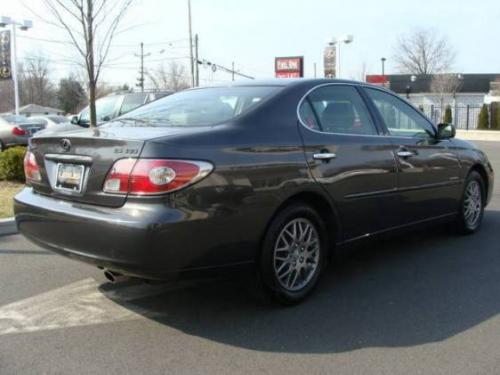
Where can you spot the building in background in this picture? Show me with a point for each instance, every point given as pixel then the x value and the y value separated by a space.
pixel 37 110
pixel 465 94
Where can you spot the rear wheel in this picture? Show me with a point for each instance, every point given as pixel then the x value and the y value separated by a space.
pixel 472 206
pixel 294 253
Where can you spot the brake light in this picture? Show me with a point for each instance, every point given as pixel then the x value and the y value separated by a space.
pixel 16 130
pixel 154 176
pixel 31 169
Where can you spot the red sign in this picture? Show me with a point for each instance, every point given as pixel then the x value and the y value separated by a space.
pixel 289 67
pixel 376 79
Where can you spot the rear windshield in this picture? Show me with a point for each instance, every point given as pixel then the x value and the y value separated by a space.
pixel 15 119
pixel 208 106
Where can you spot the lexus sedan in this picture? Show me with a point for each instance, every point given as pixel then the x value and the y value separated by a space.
pixel 273 175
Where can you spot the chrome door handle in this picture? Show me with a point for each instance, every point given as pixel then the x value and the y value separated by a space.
pixel 324 156
pixel 405 154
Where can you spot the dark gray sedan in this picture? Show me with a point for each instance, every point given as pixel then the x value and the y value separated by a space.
pixel 273 175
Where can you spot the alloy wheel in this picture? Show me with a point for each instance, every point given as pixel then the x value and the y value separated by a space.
pixel 296 254
pixel 473 204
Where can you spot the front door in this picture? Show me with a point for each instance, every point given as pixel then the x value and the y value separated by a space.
pixel 349 158
pixel 429 171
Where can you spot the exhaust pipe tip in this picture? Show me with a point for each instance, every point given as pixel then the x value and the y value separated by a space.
pixel 114 277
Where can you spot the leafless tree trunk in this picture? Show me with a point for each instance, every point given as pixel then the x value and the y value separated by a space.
pixel 173 77
pixel 91 26
pixel 445 84
pixel 424 51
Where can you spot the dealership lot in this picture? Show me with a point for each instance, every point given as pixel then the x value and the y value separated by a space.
pixel 423 303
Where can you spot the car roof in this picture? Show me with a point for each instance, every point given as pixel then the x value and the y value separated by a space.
pixel 291 82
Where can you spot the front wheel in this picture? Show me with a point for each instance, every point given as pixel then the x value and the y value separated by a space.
pixel 294 253
pixel 471 211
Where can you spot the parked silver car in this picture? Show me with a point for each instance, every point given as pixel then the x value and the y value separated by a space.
pixel 117 104
pixel 16 130
pixel 50 121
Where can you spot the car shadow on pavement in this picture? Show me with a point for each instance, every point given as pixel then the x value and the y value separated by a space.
pixel 414 289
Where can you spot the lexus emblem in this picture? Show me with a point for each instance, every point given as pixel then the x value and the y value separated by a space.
pixel 66 144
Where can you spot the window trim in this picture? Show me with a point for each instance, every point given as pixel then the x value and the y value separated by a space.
pixel 368 109
pixel 404 101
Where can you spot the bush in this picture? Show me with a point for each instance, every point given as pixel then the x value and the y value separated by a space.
pixel 448 119
pixel 495 116
pixel 483 120
pixel 11 164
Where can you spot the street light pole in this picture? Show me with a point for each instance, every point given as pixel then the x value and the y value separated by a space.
pixel 191 45
pixel 14 70
pixel 24 25
pixel 338 41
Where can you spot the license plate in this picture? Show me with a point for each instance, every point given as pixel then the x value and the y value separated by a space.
pixel 70 177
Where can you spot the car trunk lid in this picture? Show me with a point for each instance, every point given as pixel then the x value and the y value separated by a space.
pixel 91 152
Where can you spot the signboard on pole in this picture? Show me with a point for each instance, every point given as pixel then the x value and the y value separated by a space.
pixel 330 61
pixel 289 67
pixel 5 63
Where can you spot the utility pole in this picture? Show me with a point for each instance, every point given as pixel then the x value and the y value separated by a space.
pixel 140 80
pixel 383 59
pixel 232 70
pixel 191 44
pixel 197 70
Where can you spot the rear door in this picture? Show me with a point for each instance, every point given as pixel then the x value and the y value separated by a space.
pixel 429 171
pixel 349 158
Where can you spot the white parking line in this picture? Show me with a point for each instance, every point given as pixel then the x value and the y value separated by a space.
pixel 77 304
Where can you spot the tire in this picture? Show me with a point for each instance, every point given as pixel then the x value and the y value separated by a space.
pixel 290 267
pixel 471 210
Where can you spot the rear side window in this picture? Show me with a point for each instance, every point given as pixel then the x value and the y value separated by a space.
pixel 336 109
pixel 200 107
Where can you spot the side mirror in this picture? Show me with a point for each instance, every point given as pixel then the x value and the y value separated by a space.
pixel 446 131
pixel 106 118
pixel 74 120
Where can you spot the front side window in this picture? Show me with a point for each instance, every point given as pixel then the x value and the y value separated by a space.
pixel 337 109
pixel 400 118
pixel 202 107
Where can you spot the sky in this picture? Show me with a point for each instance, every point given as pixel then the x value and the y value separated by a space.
pixel 253 32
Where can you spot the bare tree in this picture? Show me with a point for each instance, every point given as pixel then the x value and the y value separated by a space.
pixel 91 26
pixel 445 84
pixel 173 77
pixel 35 84
pixel 7 95
pixel 362 72
pixel 424 51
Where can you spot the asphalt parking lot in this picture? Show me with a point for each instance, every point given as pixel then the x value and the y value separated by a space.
pixel 425 303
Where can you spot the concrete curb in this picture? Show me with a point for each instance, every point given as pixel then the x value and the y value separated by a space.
pixel 479 135
pixel 8 226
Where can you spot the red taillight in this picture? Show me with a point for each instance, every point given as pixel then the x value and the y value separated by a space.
pixel 16 130
pixel 31 169
pixel 154 176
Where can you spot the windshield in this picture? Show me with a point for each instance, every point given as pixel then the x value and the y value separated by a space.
pixel 105 109
pixel 58 119
pixel 199 107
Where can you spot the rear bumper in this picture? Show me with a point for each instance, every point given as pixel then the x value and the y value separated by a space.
pixel 145 240
pixel 16 141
